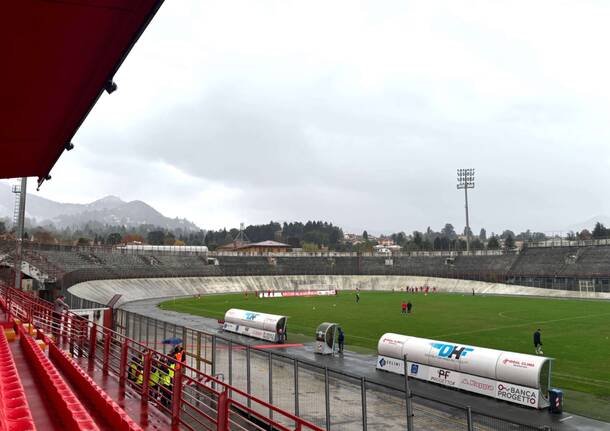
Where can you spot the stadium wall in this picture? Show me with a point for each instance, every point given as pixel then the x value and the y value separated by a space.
pixel 101 291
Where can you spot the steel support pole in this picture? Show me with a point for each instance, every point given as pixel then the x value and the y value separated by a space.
pixel 123 364
pixel 92 346
pixel 176 397
pixel 148 333
pixel 296 387
pixel 270 362
pixel 155 336
pixel 213 365
pixel 222 418
pixel 20 231
pixel 230 356
pixel 469 419
pixel 467 220
pixel 327 397
pixel 106 358
pixel 363 395
pixel 185 344
pixel 408 397
pixel 198 350
pixel 248 376
pixel 146 377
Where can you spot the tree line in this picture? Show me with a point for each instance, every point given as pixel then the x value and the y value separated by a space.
pixel 311 236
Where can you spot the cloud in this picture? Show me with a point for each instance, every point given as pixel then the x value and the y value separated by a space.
pixel 358 113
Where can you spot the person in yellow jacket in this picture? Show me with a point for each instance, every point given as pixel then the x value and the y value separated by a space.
pixel 154 381
pixel 135 370
pixel 166 375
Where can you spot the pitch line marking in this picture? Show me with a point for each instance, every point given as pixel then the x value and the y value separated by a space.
pixel 503 314
pixel 535 322
pixel 565 419
pixel 583 379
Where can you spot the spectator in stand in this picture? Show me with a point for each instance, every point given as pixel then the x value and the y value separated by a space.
pixel 179 355
pixel 165 383
pixel 135 369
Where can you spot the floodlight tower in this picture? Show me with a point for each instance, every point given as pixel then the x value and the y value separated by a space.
pixel 241 236
pixel 465 179
pixel 19 223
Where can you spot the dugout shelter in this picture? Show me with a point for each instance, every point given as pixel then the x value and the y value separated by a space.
pixel 514 377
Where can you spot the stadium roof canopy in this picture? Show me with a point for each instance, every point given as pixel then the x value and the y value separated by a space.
pixel 57 59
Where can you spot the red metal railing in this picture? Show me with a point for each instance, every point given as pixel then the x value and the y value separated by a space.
pixel 193 400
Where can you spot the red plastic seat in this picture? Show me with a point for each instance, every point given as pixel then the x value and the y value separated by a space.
pixel 72 413
pixel 15 413
pixel 111 410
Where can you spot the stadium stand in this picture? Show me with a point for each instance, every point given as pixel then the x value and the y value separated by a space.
pixel 589 260
pixel 550 267
pixel 543 261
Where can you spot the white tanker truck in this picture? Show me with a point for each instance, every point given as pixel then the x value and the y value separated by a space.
pixel 268 327
pixel 513 377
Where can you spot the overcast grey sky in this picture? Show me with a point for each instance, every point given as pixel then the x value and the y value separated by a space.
pixel 357 112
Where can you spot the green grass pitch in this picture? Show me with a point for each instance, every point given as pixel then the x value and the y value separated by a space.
pixel 574 332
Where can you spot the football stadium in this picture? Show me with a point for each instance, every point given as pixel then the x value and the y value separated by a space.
pixel 179 337
pixel 488 301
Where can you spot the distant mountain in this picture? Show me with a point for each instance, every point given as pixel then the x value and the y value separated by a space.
pixel 109 210
pixel 589 224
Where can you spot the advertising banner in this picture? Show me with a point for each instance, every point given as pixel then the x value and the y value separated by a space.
pixel 251 332
pixel 418 371
pixel 392 365
pixel 467 382
pixel 521 370
pixel 291 293
pixel 479 385
pixel 517 394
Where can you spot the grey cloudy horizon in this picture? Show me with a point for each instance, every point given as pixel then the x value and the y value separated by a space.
pixel 357 113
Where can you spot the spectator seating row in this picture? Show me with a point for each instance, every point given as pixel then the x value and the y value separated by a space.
pixel 70 410
pixel 543 261
pixel 590 260
pixel 530 264
pixel 114 414
pixel 15 413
